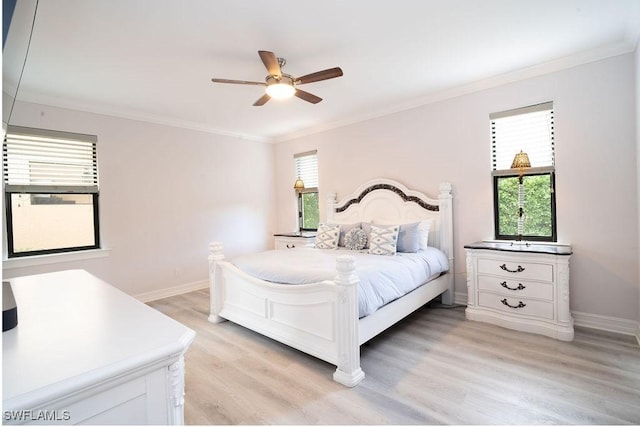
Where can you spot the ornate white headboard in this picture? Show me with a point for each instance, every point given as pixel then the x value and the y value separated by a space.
pixel 384 201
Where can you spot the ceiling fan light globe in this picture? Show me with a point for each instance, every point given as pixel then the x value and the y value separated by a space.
pixel 280 90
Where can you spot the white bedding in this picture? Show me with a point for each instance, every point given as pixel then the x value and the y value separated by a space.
pixel 382 278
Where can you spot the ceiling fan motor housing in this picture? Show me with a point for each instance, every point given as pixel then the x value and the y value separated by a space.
pixel 285 79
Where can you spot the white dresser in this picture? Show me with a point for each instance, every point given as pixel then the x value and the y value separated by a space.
pixel 84 352
pixel 295 240
pixel 520 286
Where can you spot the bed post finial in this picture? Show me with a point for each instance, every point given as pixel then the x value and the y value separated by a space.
pixel 346 266
pixel 348 372
pixel 215 276
pixel 215 250
pixel 445 190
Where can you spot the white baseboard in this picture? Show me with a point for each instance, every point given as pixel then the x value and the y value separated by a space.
pixel 606 323
pixel 460 298
pixel 170 292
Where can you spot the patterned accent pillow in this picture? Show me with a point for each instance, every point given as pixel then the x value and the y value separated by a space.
pixel 355 239
pixel 327 237
pixel 383 240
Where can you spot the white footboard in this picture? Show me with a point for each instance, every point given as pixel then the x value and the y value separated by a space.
pixel 320 319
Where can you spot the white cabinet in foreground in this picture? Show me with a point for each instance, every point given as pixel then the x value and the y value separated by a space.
pixel 85 352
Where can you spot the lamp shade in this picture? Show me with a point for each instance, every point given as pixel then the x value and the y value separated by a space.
pixel 280 91
pixel 280 88
pixel 520 161
pixel 298 185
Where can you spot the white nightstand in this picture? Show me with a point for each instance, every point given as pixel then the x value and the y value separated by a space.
pixel 295 240
pixel 520 286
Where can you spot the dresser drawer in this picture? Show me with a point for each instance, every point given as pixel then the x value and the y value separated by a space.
pixel 514 305
pixel 513 288
pixel 516 269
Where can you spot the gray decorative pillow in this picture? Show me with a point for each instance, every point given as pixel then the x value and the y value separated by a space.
pixel 366 226
pixel 344 229
pixel 327 237
pixel 355 239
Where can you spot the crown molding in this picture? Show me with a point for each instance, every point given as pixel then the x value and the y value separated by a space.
pixel 581 58
pixel 58 102
pixel 560 64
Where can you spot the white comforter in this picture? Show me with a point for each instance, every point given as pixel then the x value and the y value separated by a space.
pixel 382 278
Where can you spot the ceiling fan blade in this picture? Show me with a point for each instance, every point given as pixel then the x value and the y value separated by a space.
pixel 238 82
pixel 331 73
pixel 271 62
pixel 263 100
pixel 309 97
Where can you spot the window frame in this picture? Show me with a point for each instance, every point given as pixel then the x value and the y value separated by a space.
pixel 11 188
pixel 301 169
pixel 301 208
pixel 496 175
pixel 547 153
pixel 9 220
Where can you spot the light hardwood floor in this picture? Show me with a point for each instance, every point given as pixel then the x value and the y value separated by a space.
pixel 434 367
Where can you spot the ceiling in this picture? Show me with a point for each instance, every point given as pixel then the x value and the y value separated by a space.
pixel 153 60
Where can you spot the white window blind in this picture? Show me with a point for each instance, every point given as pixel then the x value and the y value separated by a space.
pixel 529 129
pixel 38 160
pixel 306 168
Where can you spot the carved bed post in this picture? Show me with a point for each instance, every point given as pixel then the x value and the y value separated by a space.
pixel 332 199
pixel 348 372
pixel 446 237
pixel 215 277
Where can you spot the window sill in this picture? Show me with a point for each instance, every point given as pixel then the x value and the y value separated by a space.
pixel 32 261
pixel 527 242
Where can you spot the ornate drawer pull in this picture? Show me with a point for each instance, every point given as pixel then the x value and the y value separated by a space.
pixel 520 304
pixel 517 270
pixel 517 288
pixel 290 246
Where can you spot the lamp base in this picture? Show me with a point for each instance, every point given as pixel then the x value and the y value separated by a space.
pixel 9 308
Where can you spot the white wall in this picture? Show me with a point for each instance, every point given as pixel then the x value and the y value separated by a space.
pixel 165 193
pixel 449 141
pixel 637 81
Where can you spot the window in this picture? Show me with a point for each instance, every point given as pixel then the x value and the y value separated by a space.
pixel 524 197
pixel 306 169
pixel 51 191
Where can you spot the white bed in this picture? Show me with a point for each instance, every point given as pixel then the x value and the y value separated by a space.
pixel 322 319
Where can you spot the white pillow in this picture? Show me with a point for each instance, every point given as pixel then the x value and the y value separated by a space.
pixel 327 236
pixel 383 240
pixel 423 230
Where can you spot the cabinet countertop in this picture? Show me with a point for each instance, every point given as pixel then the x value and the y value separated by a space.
pixel 532 247
pixel 75 330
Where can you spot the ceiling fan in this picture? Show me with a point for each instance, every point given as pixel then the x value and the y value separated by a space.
pixel 282 85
